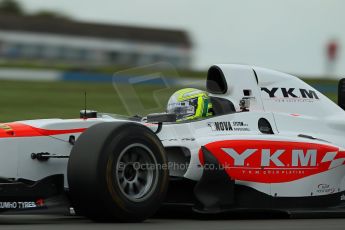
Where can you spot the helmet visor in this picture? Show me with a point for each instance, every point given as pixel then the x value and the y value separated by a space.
pixel 183 109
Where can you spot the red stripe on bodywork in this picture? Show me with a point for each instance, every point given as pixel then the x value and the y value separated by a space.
pixel 17 129
pixel 252 168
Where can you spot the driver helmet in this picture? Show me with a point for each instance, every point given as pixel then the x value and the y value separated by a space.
pixel 189 104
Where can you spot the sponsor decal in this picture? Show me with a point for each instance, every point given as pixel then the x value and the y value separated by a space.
pixel 290 94
pixel 325 188
pixel 182 139
pixel 269 158
pixel 170 140
pixel 221 126
pixel 188 139
pixel 275 161
pixel 21 204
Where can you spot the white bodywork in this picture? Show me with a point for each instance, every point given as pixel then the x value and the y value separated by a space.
pixel 309 114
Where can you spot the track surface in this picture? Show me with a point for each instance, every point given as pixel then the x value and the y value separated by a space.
pixel 37 222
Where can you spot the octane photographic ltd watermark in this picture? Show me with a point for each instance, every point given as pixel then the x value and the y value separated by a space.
pixel 174 166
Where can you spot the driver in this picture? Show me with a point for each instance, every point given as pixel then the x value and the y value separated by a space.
pixel 190 104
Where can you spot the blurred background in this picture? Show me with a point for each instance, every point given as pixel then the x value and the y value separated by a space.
pixel 51 52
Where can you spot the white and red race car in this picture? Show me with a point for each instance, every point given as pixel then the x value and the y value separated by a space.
pixel 274 143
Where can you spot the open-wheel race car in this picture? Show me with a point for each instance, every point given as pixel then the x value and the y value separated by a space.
pixel 272 143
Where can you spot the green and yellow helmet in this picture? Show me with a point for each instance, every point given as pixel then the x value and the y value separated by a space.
pixel 190 104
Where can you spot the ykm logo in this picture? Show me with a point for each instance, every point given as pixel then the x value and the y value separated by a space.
pixel 274 161
pixel 290 93
pixel 299 157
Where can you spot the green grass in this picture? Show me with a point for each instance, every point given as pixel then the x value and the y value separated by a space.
pixel 32 100
pixel 325 82
pixel 333 96
pixel 21 100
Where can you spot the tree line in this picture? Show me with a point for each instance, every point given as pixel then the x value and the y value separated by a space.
pixel 13 7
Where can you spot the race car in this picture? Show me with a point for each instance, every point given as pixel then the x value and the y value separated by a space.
pixel 273 143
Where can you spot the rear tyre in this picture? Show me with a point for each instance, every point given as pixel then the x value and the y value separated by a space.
pixel 115 174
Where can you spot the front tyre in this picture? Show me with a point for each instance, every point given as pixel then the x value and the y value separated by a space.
pixel 117 172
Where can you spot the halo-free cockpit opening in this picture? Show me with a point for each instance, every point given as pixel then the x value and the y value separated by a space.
pixel 216 84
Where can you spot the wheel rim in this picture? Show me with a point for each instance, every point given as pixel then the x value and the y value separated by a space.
pixel 136 173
